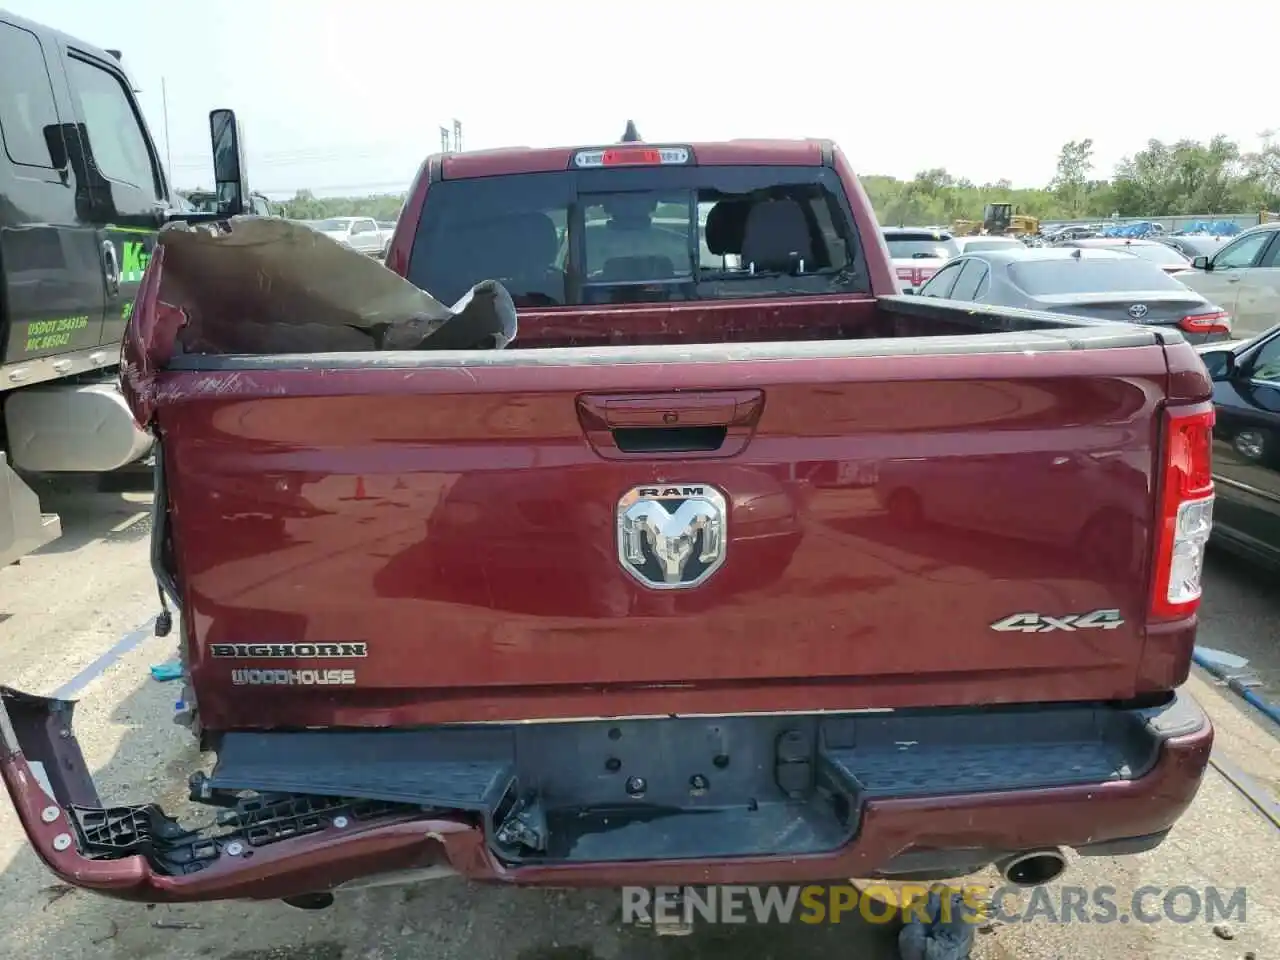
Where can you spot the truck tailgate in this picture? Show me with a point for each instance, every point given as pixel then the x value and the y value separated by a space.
pixel 447 540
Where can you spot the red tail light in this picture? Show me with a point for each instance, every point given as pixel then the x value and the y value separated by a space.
pixel 1186 512
pixel 629 155
pixel 1219 322
pixel 914 276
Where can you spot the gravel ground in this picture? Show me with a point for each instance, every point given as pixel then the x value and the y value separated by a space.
pixel 60 610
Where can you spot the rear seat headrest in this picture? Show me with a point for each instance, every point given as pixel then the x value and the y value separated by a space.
pixel 538 236
pixel 776 236
pixel 725 225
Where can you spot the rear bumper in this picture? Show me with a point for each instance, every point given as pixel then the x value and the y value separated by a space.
pixel 955 803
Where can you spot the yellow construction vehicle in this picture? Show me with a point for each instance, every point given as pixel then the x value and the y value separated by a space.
pixel 998 219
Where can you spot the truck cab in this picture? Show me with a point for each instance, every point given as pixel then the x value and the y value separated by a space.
pixel 82 196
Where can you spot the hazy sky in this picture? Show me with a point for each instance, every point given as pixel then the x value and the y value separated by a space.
pixel 344 98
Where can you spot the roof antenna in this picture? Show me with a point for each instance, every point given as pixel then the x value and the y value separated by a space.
pixel 630 135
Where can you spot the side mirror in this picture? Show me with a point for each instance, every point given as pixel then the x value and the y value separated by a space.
pixel 229 174
pixel 909 291
pixel 1221 364
pixel 1200 263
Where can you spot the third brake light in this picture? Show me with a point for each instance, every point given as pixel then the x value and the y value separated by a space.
pixel 630 156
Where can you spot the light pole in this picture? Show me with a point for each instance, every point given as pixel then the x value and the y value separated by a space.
pixel 168 154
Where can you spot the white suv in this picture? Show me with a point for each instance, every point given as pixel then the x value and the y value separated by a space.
pixel 1243 278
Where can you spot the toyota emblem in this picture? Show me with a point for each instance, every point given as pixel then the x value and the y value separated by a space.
pixel 1138 311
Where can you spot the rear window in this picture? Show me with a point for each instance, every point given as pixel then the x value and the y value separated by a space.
pixel 629 235
pixel 1200 246
pixel 996 243
pixel 1121 275
pixel 1156 253
pixel 914 248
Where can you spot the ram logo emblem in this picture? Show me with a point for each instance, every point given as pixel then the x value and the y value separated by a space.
pixel 672 536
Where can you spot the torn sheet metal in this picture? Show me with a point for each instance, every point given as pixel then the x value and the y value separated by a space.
pixel 265 285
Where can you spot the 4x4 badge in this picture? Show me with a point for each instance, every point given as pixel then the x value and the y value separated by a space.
pixel 1043 623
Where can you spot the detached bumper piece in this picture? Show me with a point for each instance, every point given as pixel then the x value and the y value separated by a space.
pixel 744 799
pixel 122 831
pixel 118 832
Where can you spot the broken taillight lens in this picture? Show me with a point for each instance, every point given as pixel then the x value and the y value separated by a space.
pixel 1219 322
pixel 1186 512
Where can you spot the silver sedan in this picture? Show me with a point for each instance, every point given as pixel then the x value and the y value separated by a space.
pixel 1100 283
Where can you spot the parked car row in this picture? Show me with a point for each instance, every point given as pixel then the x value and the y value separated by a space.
pixel 1241 273
pixel 1142 229
pixel 1079 280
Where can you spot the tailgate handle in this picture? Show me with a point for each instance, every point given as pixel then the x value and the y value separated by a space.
pixel 714 423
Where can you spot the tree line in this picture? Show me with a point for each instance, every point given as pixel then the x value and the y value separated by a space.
pixel 1163 179
pixel 304 205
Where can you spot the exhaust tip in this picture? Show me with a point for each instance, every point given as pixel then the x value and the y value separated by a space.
pixel 1033 868
pixel 310 901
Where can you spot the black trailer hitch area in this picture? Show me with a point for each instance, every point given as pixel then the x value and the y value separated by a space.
pixel 525 825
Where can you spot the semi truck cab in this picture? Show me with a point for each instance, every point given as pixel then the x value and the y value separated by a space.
pixel 82 195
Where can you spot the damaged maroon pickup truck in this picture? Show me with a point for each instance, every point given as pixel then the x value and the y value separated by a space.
pixel 682 548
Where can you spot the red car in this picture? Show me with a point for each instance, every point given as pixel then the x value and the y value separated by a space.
pixel 918 253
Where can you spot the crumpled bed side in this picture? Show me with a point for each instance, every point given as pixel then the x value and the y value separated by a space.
pixel 264 285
